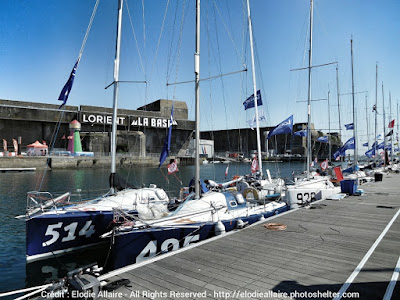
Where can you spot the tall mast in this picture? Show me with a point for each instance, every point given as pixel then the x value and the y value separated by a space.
pixel 366 116
pixel 390 119
pixel 338 104
pixel 329 129
pixel 115 97
pixel 309 150
pixel 354 109
pixel 197 100
pixel 254 89
pixel 376 116
pixel 384 126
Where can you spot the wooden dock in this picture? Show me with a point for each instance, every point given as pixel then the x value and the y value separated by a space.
pixel 349 246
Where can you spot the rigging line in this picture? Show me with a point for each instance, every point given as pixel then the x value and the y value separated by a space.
pixel 316 66
pixel 170 45
pixel 229 33
pixel 134 36
pixel 179 46
pixel 159 38
pixel 88 29
pixel 208 78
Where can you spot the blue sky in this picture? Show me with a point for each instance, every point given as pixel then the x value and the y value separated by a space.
pixel 40 42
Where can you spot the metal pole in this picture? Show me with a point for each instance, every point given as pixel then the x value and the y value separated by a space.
pixel 390 119
pixel 255 90
pixel 354 109
pixel 115 96
pixel 329 126
pixel 338 105
pixel 384 127
pixel 366 116
pixel 376 116
pixel 197 101
pixel 309 150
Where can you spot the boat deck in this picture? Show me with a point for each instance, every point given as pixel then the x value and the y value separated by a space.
pixel 351 245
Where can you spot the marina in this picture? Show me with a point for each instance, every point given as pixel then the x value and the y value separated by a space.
pixel 347 246
pixel 227 186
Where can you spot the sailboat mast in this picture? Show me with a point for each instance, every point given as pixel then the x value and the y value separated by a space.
pixel 309 150
pixel 115 97
pixel 338 104
pixel 376 116
pixel 384 126
pixel 390 119
pixel 197 102
pixel 354 109
pixel 254 89
pixel 329 129
pixel 366 117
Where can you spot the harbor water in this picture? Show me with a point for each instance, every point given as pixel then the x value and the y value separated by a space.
pixel 86 183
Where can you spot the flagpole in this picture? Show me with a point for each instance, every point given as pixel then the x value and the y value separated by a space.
pixel 255 90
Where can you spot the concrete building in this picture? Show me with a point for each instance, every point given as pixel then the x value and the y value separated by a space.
pixel 141 132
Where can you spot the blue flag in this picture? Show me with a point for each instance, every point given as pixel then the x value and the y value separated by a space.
pixel 322 139
pixel 365 144
pixel 350 144
pixel 68 86
pixel 381 145
pixel 249 102
pixel 167 143
pixel 301 132
pixel 349 126
pixel 370 153
pixel 283 127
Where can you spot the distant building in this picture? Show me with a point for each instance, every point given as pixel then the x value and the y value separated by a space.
pixel 244 140
pixel 141 132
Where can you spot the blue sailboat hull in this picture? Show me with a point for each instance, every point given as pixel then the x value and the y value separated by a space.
pixel 49 234
pixel 138 245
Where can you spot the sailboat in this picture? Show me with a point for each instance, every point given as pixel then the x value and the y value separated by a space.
pixel 311 188
pixel 56 225
pixel 200 216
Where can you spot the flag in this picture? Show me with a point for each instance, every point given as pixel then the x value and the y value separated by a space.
pixel 370 153
pixel 285 126
pixel 301 132
pixel 15 144
pixel 349 126
pixel 68 86
pixel 350 144
pixel 323 139
pixel 261 117
pixel 378 136
pixel 391 124
pixel 167 143
pixel 381 145
pixel 390 133
pixel 226 171
pixel 324 165
pixel 254 165
pixel 389 147
pixel 365 144
pixel 374 108
pixel 314 162
pixel 249 102
pixel 172 167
